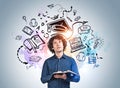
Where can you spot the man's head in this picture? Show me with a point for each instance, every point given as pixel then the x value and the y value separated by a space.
pixel 57 43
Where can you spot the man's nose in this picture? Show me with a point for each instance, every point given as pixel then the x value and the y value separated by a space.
pixel 58 44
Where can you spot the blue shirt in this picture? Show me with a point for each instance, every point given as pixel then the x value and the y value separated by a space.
pixel 53 64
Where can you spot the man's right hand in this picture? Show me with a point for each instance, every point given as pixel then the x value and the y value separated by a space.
pixel 63 76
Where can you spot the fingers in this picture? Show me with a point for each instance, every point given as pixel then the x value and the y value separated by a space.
pixel 63 76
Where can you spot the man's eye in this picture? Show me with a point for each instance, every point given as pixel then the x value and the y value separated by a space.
pixel 55 42
pixel 60 41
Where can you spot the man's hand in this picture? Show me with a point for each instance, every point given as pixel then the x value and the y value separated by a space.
pixel 63 76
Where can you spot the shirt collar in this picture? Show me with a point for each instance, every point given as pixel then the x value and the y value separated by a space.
pixel 63 56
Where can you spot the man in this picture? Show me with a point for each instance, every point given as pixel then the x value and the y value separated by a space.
pixel 59 62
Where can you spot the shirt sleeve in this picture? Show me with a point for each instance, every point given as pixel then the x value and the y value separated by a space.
pixel 74 68
pixel 45 76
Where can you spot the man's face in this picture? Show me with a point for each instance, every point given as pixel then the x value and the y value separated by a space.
pixel 57 45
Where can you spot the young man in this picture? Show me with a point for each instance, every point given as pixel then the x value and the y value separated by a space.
pixel 59 62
